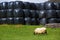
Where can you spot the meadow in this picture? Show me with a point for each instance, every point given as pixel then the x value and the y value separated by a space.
pixel 25 32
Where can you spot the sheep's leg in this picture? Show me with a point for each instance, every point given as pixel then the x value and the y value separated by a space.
pixel 34 33
pixel 46 32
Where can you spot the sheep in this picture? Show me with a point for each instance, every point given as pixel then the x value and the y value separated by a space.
pixel 40 30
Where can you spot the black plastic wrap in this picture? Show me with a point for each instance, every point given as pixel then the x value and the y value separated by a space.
pixel 51 14
pixel 26 5
pixel 19 20
pixel 4 5
pixel 42 6
pixel 32 6
pixel 58 20
pixel 18 13
pixel 0 21
pixel 34 21
pixel 57 5
pixel 27 12
pixel 4 20
pixel 18 4
pixel 3 13
pixel 0 6
pixel 9 13
pixel 58 13
pixel 10 20
pixel 11 5
pixel 38 7
pixel 34 14
pixel 16 20
pixel 27 21
pixel 43 21
pixel 42 14
pixel 52 20
pixel 50 6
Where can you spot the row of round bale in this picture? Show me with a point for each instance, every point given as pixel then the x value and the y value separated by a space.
pixel 18 12
pixel 30 13
pixel 28 21
pixel 28 5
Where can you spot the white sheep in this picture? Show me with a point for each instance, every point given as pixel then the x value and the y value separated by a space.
pixel 40 30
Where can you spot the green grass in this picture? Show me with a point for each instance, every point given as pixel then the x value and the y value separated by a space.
pixel 25 32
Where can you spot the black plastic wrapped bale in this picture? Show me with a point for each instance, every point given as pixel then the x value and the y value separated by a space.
pixel 0 13
pixel 22 21
pixel 0 6
pixel 27 21
pixel 58 20
pixel 51 14
pixel 27 12
pixel 41 6
pixel 32 6
pixel 9 13
pixel 57 5
pixel 58 13
pixel 3 20
pixel 19 20
pixel 26 5
pixel 3 13
pixel 0 21
pixel 18 4
pixel 43 21
pixel 37 21
pixel 34 14
pixel 11 5
pixel 10 20
pixel 49 5
pixel 38 6
pixel 4 5
pixel 34 21
pixel 37 14
pixel 18 13
pixel 16 21
pixel 42 14
pixel 52 20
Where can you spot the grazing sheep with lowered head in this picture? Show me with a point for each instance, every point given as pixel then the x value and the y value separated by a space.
pixel 40 30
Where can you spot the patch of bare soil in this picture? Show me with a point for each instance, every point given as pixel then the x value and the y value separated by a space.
pixel 18 25
pixel 53 25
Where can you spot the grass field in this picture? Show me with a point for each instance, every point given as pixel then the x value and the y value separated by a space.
pixel 25 32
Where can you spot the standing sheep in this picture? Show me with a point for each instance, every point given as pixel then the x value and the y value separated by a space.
pixel 40 30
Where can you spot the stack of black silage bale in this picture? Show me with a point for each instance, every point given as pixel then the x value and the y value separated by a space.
pixel 18 12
